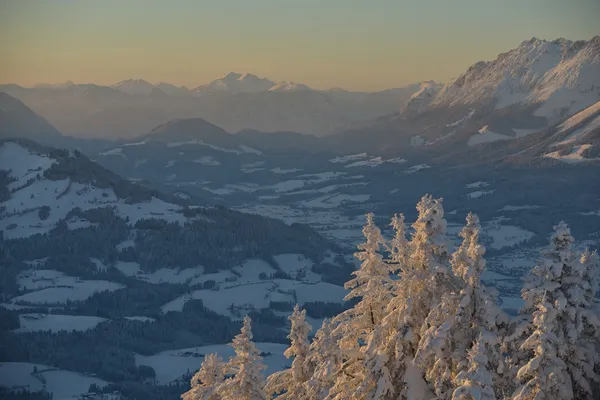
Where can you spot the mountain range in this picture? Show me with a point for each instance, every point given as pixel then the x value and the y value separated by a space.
pixel 235 101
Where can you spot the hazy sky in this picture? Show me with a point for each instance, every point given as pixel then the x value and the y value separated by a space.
pixel 361 45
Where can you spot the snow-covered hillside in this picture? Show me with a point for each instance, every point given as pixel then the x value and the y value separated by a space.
pixel 560 76
pixel 37 204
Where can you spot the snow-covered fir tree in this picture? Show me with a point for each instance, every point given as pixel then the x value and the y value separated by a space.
pixel 475 383
pixel 545 376
pixel 561 354
pixel 205 382
pixel 372 285
pixel 398 246
pixel 247 382
pixel 460 319
pixel 325 360
pixel 388 370
pixel 291 383
pixel 433 333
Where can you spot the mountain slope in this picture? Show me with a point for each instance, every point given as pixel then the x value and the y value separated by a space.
pixel 18 121
pixel 57 192
pixel 560 76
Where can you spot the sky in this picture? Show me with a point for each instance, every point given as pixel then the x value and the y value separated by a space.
pixel 352 44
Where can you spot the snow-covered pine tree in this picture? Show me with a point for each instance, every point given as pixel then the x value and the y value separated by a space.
pixel 204 383
pixel 325 360
pixel 545 376
pixel 398 248
pixel 290 383
pixel 475 383
pixel 460 319
pixel 564 325
pixel 372 285
pixel 246 367
pixel 388 369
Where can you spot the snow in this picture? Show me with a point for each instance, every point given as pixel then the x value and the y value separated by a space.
pixel 250 150
pixel 75 292
pixel 373 162
pixel 479 193
pixel 78 223
pixel 575 156
pixel 173 364
pixel 22 163
pixel 462 121
pixel 21 210
pixel 292 264
pixel 506 235
pixel 64 385
pixel 99 264
pixel 486 136
pixel 476 185
pixel 345 159
pixel 335 200
pixel 141 319
pixel 114 152
pixel 163 275
pixel 257 295
pixel 518 208
pixel 417 141
pixel 590 213
pixel 559 76
pixel 241 150
pixel 56 323
pixel 580 117
pixel 125 244
pixel 416 168
pixel 278 170
pixel 207 160
pixel 579 134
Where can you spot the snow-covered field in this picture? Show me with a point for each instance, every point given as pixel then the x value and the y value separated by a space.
pixel 54 287
pixel 245 297
pixel 64 385
pixel 172 365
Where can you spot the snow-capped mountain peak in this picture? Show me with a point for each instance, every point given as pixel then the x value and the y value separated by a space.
pixel 135 87
pixel 234 82
pixel 561 76
pixel 289 86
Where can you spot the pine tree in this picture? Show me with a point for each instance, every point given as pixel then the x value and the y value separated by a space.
pixel 453 327
pixel 388 368
pixel 291 382
pixel 205 381
pixel 476 382
pixel 545 376
pixel 372 285
pixel 248 381
pixel 325 360
pixel 398 245
pixel 564 324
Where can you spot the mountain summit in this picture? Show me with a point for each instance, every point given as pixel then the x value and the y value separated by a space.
pixel 237 83
pixel 561 76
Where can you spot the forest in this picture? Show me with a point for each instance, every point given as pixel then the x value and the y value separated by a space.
pixel 424 326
